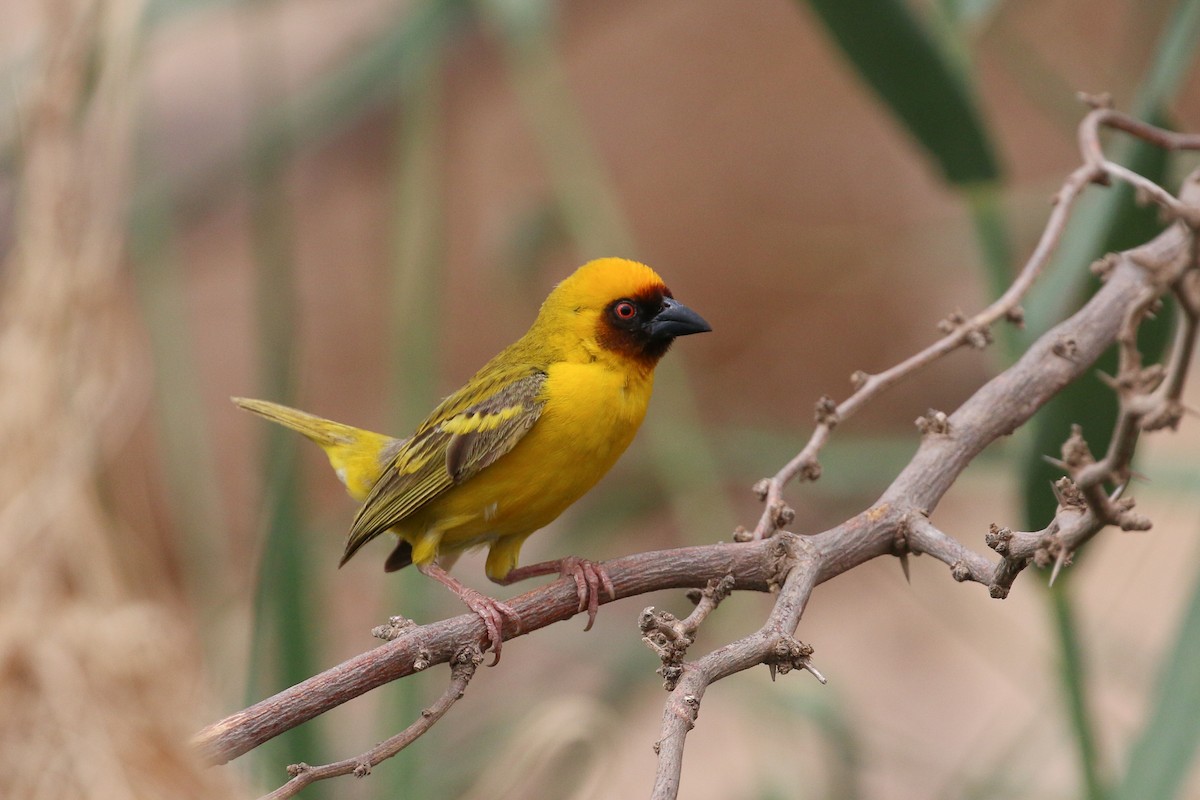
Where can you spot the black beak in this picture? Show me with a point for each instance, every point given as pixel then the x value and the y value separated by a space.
pixel 675 319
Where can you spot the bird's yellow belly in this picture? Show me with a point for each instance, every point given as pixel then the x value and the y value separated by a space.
pixel 590 417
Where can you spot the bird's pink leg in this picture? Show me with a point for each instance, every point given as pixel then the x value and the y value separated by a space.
pixel 589 578
pixel 490 610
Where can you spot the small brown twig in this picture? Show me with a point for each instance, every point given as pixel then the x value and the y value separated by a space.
pixel 462 669
pixel 670 637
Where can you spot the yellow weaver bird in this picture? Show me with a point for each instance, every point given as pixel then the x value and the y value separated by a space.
pixel 526 437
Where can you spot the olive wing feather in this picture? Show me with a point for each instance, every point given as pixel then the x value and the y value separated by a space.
pixel 449 449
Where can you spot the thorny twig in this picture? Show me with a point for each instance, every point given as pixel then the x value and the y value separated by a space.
pixel 775 560
pixel 975 331
pixel 670 637
pixel 1148 396
pixel 462 669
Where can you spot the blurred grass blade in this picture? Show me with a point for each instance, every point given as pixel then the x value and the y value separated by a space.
pixel 285 631
pixel 414 338
pixel 1162 757
pixel 196 504
pixel 892 50
pixel 965 14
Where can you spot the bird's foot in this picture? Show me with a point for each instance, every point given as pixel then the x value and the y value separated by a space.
pixel 489 609
pixel 493 613
pixel 589 578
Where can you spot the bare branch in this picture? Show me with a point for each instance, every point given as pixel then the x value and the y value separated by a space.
pixel 462 669
pixel 975 331
pixel 769 559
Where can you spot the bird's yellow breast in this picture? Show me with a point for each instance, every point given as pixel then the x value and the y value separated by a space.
pixel 591 413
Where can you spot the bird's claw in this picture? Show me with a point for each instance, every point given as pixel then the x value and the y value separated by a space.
pixel 493 613
pixel 589 578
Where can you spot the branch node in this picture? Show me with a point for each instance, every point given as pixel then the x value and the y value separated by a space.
pixel 1068 494
pixel 933 423
pixel 742 535
pixel 298 769
pixel 1168 415
pixel 1075 451
pixel 810 471
pixel 1066 348
pixel 396 627
pixel 761 489
pixel 789 653
pixel 999 539
pixel 825 413
pixel 858 379
pixel 423 660
pixel 782 515
pixel 1102 100
pixel 975 334
pixel 960 571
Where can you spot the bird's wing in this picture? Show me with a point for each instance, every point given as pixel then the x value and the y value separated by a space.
pixel 455 443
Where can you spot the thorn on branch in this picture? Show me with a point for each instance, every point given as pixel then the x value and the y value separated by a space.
pixel 933 422
pixel 901 548
pixel 790 653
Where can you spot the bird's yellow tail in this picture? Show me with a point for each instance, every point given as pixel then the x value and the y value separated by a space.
pixel 357 456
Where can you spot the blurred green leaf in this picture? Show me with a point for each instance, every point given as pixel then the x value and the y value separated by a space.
pixel 967 13
pixel 897 56
pixel 1162 756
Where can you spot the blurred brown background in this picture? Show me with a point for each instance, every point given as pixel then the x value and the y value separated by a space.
pixel 348 206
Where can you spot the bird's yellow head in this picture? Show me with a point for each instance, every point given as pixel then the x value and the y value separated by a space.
pixel 621 306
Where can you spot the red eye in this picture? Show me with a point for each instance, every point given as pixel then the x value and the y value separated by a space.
pixel 625 310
